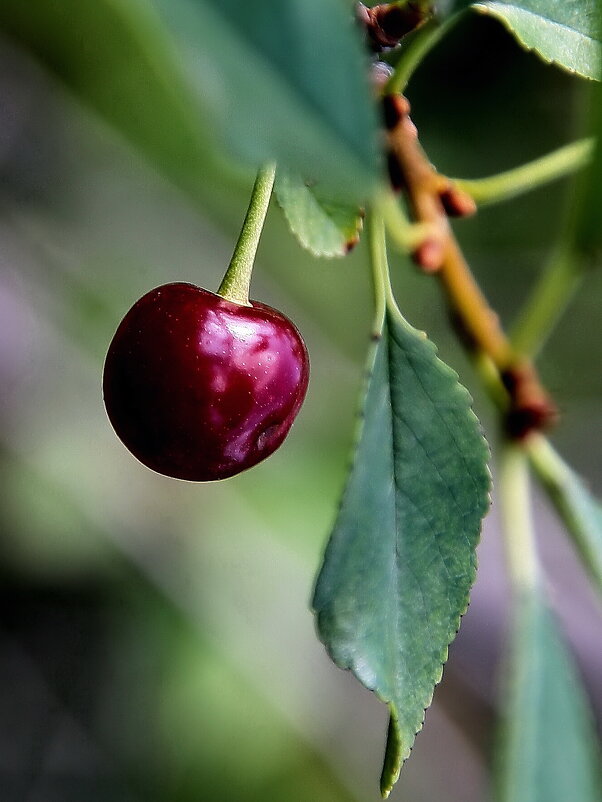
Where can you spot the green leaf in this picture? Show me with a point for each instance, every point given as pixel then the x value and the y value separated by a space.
pixel 547 751
pixel 285 81
pixel 401 559
pixel 580 511
pixel 564 33
pixel 324 227
pixel 260 81
pixel 588 232
pixel 118 59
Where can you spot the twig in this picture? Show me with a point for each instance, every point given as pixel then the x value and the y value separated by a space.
pixel 529 408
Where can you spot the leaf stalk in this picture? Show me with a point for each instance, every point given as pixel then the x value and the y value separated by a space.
pixel 511 183
pixel 380 269
pixel 519 537
pixel 420 44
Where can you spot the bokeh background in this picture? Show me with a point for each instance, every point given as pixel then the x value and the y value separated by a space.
pixel 156 641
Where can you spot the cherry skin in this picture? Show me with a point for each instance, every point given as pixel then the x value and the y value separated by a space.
pixel 200 388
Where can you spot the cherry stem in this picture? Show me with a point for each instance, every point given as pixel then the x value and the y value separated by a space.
pixel 237 280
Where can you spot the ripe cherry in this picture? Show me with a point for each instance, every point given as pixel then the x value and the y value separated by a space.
pixel 198 387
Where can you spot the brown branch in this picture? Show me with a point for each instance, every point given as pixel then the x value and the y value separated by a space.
pixel 432 197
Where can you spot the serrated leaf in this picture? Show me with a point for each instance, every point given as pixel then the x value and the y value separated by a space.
pixel 401 558
pixel 548 749
pixel 285 81
pixel 323 227
pixel 580 511
pixel 565 33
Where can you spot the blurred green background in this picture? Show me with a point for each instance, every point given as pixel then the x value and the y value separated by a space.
pixel 155 636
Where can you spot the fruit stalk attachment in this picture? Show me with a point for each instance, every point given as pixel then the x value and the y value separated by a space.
pixel 236 282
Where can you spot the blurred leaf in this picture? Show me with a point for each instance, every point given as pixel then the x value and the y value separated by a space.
pixel 172 695
pixel 589 228
pixel 580 511
pixel 547 752
pixel 401 559
pixel 285 81
pixel 562 33
pixel 50 536
pixel 116 57
pixel 325 228
pixel 265 79
pixel 187 703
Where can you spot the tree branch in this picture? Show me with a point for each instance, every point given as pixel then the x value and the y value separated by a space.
pixel 432 197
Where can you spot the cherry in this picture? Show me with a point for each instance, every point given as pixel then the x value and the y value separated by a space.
pixel 198 387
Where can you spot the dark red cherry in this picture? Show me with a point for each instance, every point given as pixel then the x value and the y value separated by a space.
pixel 200 388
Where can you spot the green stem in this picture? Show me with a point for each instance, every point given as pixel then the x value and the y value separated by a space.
pixel 551 295
pixel 514 490
pixel 406 235
pixel 236 282
pixel 489 374
pixel 548 466
pixel 380 268
pixel 552 166
pixel 421 43
pixel 576 509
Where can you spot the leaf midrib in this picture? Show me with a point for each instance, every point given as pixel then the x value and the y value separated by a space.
pixel 396 564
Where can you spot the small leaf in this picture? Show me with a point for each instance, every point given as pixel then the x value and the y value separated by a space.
pixel 285 81
pixel 401 559
pixel 547 751
pixel 580 511
pixel 325 228
pixel 565 33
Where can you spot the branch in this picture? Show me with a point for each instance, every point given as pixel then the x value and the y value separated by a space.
pixel 432 198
